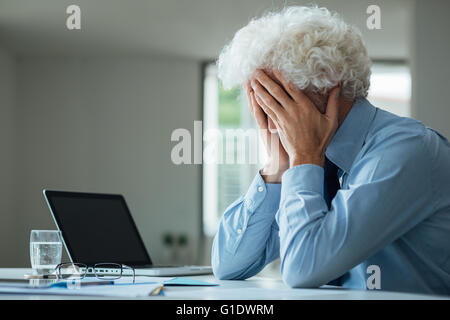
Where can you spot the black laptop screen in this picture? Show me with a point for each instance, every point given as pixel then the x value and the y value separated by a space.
pixel 97 228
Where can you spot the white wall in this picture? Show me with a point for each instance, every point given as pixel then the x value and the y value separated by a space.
pixel 7 148
pixel 193 28
pixel 104 125
pixel 430 65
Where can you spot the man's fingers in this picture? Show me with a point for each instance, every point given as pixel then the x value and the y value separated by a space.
pixel 267 110
pixel 273 88
pixel 295 93
pixel 248 89
pixel 268 102
pixel 258 113
pixel 290 87
pixel 271 126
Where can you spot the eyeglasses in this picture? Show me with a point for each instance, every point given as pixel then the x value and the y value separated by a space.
pixel 103 271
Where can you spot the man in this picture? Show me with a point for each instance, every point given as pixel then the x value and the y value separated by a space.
pixel 349 185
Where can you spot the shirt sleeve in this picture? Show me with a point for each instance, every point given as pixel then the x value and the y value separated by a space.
pixel 247 238
pixel 388 193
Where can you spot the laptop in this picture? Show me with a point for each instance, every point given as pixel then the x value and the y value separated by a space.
pixel 98 228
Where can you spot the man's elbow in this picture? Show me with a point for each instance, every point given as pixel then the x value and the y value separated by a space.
pixel 297 281
pixel 224 270
pixel 221 272
pixel 294 277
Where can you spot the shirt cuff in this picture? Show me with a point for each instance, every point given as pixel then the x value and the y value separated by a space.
pixel 263 196
pixel 303 178
pixel 303 184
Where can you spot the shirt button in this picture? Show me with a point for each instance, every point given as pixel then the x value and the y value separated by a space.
pixel 239 230
pixel 260 189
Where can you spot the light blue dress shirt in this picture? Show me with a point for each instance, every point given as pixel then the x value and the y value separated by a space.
pixel 392 211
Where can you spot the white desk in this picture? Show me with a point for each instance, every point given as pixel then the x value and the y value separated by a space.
pixel 254 288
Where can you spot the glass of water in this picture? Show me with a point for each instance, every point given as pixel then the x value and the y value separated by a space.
pixel 45 250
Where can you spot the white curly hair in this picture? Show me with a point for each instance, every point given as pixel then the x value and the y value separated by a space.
pixel 312 47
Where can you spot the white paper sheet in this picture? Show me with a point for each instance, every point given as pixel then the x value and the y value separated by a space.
pixel 116 290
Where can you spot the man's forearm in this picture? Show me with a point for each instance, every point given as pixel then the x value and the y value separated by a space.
pixel 247 239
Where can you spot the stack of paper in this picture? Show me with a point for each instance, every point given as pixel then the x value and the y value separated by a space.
pixel 125 290
pixel 123 287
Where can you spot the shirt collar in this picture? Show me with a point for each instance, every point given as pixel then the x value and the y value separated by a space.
pixel 351 135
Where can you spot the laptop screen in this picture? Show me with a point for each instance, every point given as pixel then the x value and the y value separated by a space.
pixel 97 228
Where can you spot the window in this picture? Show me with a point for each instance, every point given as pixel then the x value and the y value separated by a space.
pixel 390 87
pixel 224 181
pixel 224 110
